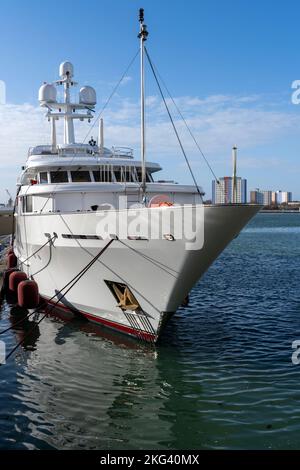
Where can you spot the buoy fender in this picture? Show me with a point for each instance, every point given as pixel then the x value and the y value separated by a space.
pixel 12 261
pixel 28 294
pixel 14 280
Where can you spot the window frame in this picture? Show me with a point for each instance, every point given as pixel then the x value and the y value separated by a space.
pixel 80 171
pixel 59 171
pixel 39 178
pixel 27 204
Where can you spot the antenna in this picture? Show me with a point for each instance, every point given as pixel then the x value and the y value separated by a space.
pixel 141 15
pixel 66 109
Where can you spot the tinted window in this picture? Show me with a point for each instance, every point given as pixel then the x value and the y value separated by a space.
pixel 106 175
pixel 97 175
pixel 43 178
pixel 59 176
pixel 80 176
pixel 128 174
pixel 27 204
pixel 148 177
pixel 102 175
pixel 118 175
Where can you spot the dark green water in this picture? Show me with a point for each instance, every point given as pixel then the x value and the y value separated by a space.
pixel 222 376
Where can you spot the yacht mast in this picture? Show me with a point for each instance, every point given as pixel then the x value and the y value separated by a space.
pixel 143 37
pixel 101 137
pixel 53 136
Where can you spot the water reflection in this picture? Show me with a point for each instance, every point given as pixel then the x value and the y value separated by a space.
pixel 221 377
pixel 87 384
pixel 26 329
pixel 94 388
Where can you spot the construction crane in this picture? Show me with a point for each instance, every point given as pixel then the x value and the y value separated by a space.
pixel 10 200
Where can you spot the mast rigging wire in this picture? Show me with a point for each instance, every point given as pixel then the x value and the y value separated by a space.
pixel 173 124
pixel 110 96
pixel 187 126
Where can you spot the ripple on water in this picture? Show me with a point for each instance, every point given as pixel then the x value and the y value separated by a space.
pixel 220 378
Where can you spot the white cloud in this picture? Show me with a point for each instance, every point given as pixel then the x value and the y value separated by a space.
pixel 126 80
pixel 218 122
pixel 21 126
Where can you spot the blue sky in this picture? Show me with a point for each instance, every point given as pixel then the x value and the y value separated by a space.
pixel 229 65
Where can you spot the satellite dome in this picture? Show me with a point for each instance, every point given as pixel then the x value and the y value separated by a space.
pixel 47 93
pixel 87 95
pixel 66 68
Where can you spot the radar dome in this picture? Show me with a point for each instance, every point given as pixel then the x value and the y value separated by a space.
pixel 47 93
pixel 87 95
pixel 66 68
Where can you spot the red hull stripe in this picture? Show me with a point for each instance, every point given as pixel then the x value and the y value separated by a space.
pixel 110 324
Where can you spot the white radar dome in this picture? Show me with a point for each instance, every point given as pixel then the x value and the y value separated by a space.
pixel 87 95
pixel 66 68
pixel 47 93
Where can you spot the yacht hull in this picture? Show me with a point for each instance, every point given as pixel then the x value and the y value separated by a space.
pixel 157 273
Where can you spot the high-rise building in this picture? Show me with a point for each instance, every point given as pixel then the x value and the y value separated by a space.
pixel 268 198
pixel 283 197
pixel 222 192
pixel 261 197
pixel 256 197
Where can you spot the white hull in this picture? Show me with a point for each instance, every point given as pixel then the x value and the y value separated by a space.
pixel 160 273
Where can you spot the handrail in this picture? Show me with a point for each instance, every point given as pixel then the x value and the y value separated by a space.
pixel 122 151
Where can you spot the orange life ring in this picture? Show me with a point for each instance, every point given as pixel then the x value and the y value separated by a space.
pixel 165 204
pixel 160 200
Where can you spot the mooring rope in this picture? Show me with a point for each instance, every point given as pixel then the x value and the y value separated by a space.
pixel 39 249
pixel 46 265
pixel 70 285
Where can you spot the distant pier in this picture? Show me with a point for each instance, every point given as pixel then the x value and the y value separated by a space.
pixel 6 221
